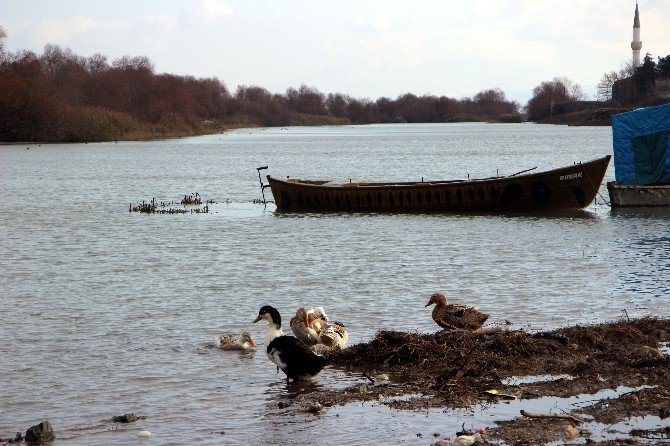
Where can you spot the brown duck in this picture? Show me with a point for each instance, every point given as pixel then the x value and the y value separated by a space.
pixel 455 316
pixel 302 329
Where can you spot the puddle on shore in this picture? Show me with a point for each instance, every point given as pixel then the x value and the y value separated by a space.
pixel 384 424
pixel 607 432
pixel 534 379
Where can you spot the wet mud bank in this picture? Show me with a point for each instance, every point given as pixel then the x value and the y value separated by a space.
pixel 462 369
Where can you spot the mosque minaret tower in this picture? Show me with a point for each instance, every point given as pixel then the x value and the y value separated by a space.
pixel 636 44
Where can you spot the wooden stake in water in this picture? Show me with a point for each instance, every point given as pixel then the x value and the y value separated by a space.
pixel 260 180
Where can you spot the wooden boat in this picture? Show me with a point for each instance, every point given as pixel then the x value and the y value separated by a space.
pixel 572 187
pixel 653 195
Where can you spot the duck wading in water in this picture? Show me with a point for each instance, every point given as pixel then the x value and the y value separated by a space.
pixel 231 341
pixel 455 316
pixel 289 354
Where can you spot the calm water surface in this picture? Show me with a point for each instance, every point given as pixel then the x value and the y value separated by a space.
pixel 105 312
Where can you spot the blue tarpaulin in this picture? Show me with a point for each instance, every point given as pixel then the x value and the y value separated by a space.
pixel 642 146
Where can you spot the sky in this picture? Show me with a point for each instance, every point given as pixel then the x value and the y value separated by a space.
pixel 363 48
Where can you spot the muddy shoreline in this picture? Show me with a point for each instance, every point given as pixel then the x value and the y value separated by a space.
pixel 459 369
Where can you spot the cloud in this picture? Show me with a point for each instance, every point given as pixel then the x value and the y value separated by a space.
pixel 157 44
pixel 336 53
pixel 379 24
pixel 64 30
pixel 213 10
pixel 487 9
pixel 164 21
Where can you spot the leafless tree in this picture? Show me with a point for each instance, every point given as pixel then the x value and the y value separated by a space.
pixel 604 87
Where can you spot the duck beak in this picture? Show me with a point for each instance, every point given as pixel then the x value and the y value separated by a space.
pixel 428 304
pixel 258 319
pixel 251 341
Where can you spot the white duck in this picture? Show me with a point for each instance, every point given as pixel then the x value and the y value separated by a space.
pixel 317 319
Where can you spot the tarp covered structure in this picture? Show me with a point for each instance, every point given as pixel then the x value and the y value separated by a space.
pixel 642 146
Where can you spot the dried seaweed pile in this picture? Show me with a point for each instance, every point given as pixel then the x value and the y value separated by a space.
pixel 454 367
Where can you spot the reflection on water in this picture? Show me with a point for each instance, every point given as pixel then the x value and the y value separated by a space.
pixel 106 312
pixel 641 251
pixel 542 215
pixel 653 213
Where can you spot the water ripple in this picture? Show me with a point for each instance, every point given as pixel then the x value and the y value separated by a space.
pixel 106 312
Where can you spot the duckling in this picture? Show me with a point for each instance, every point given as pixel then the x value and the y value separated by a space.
pixel 230 341
pixel 287 352
pixel 302 329
pixel 450 316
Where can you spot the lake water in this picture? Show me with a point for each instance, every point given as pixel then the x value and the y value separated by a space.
pixel 105 312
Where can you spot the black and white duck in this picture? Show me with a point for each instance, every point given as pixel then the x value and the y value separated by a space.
pixel 229 341
pixel 289 354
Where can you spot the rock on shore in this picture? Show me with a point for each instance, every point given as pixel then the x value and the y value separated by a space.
pixel 40 433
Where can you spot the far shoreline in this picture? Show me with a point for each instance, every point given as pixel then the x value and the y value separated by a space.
pixel 577 119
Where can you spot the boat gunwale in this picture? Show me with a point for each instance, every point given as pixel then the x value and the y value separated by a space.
pixel 294 182
pixel 616 185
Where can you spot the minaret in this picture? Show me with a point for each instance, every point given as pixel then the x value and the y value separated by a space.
pixel 636 44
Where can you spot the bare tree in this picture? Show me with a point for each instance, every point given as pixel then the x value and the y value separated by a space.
pixel 137 63
pixel 3 36
pixel 97 64
pixel 604 87
pixel 574 90
pixel 560 89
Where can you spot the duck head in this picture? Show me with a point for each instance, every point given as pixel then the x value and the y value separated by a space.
pixel 245 337
pixel 320 313
pixel 302 315
pixel 269 314
pixel 437 298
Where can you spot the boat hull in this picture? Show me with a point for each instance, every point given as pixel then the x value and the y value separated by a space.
pixel 572 187
pixel 638 196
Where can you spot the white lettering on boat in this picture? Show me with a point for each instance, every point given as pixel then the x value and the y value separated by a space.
pixel 571 176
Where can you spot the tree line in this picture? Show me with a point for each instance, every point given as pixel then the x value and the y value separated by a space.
pixel 61 96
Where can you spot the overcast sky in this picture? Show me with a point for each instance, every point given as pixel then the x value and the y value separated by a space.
pixel 364 48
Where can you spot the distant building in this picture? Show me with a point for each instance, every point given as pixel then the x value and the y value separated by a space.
pixel 625 91
pixel 636 44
